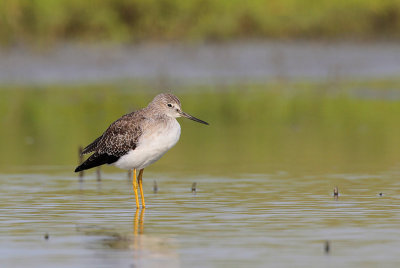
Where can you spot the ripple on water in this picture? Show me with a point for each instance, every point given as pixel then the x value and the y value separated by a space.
pixel 253 220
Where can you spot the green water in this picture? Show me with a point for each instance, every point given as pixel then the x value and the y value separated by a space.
pixel 265 170
pixel 326 127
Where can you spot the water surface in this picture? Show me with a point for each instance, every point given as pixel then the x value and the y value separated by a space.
pixel 265 170
pixel 205 64
pixel 252 220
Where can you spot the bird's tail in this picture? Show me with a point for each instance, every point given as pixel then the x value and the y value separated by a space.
pixel 97 160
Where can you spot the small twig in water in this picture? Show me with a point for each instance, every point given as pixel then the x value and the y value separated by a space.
pixel 194 187
pixel 327 247
pixel 336 192
pixel 80 149
pixel 155 187
pixel 98 173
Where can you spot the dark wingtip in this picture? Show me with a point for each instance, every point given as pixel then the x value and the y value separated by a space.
pixel 78 169
pixel 97 160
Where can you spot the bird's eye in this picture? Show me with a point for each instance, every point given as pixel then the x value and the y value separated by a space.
pixel 169 105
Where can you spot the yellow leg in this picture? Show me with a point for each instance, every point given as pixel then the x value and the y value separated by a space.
pixel 140 182
pixel 135 188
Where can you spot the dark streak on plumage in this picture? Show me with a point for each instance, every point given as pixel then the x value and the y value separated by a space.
pixel 97 160
pixel 119 138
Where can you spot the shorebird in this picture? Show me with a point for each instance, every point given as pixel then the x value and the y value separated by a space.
pixel 138 139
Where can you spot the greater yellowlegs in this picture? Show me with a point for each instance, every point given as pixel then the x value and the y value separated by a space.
pixel 138 139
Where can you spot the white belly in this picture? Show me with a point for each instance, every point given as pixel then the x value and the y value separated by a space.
pixel 151 147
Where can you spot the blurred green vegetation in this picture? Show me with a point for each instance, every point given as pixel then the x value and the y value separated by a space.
pixel 44 21
pixel 326 127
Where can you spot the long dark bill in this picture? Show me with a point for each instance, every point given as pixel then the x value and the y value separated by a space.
pixel 193 118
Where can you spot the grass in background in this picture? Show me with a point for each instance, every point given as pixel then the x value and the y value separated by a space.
pixel 43 21
pixel 254 128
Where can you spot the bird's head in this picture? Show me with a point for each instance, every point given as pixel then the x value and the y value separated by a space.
pixel 170 105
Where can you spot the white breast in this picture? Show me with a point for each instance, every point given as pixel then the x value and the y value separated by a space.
pixel 152 146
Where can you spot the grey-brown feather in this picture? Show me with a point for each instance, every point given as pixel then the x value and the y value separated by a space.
pixel 91 147
pixel 120 137
pixel 124 134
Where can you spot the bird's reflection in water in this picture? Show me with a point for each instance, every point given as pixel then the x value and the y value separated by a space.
pixel 137 236
pixel 139 248
pixel 138 222
pixel 118 240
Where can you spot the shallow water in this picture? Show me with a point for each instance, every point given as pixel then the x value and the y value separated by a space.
pixel 265 168
pixel 251 220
